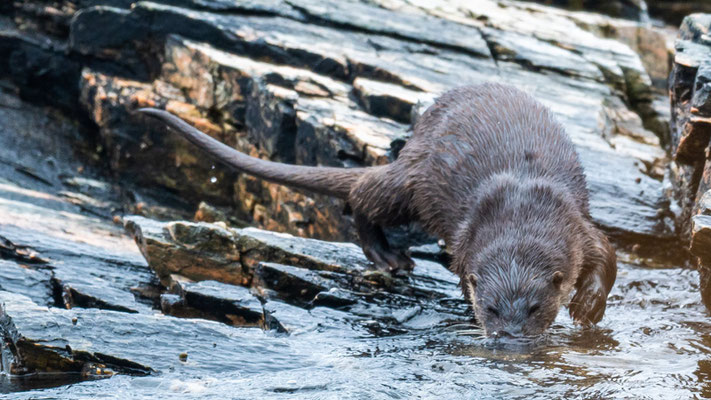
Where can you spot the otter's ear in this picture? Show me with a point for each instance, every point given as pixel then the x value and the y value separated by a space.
pixel 557 278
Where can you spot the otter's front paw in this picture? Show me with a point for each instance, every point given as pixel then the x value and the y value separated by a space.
pixel 588 305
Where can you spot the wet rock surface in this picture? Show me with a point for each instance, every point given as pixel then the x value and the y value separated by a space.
pixel 117 342
pixel 384 328
pixel 104 273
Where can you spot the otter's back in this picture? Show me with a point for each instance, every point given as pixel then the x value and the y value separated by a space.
pixel 474 132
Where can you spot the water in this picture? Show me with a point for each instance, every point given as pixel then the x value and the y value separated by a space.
pixel 654 343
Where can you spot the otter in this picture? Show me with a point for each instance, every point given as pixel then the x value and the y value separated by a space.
pixel 489 170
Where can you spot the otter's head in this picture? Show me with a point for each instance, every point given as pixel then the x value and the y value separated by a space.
pixel 517 287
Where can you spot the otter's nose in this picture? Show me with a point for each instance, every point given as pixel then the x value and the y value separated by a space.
pixel 508 333
pixel 500 335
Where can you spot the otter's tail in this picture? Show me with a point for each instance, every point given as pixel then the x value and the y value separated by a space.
pixel 335 182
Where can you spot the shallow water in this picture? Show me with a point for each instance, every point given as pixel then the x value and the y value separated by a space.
pixel 654 343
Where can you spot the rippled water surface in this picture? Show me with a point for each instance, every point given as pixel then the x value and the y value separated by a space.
pixel 654 342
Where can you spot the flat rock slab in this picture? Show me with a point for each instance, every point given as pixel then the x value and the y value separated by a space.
pixel 310 253
pixel 535 53
pixel 420 28
pixel 286 318
pixel 32 282
pixel 55 340
pixel 298 284
pixel 80 289
pixel 232 303
pixel 384 99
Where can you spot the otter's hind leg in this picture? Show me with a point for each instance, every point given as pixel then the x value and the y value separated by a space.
pixel 379 198
pixel 377 249
pixel 595 280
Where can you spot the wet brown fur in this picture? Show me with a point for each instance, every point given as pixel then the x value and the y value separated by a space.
pixel 490 171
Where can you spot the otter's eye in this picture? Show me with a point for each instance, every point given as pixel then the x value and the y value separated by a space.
pixel 533 309
pixel 492 311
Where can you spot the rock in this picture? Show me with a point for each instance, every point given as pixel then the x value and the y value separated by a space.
pixel 298 284
pixel 208 213
pixel 700 229
pixel 701 237
pixel 432 251
pixel 174 248
pixel 690 128
pixel 41 69
pixel 271 119
pixel 417 27
pixel 41 339
pixel 653 44
pixel 704 204
pixel 700 247
pixel 691 136
pixel 350 136
pixel 703 192
pixel 231 255
pixel 320 274
pixel 632 9
pixel 286 318
pixel 173 304
pixel 688 85
pixel 317 274
pixel 229 303
pixel 22 279
pixel 312 254
pixel 90 291
pixel 435 281
pixel 384 99
pixel 11 251
pixel 143 150
pixel 540 55
pixel 360 139
pixel 88 275
pixel 334 298
pixel 618 63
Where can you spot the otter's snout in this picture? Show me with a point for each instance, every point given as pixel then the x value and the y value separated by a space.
pixel 510 332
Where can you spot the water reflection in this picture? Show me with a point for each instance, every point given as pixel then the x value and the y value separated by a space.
pixel 9 384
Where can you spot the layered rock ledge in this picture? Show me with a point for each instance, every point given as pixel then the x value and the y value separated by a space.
pixel 333 83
